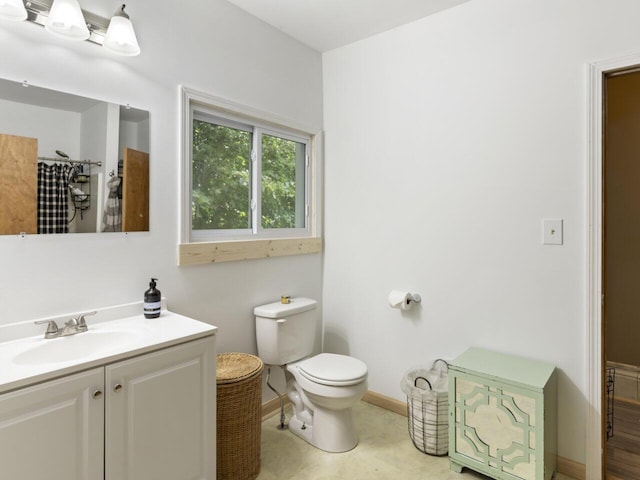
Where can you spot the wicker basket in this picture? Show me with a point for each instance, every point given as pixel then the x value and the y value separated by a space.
pixel 239 421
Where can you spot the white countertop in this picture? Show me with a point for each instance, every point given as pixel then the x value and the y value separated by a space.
pixel 111 337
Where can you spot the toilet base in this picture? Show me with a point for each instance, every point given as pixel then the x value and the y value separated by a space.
pixel 332 430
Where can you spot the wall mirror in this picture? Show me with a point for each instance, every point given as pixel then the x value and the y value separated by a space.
pixel 71 164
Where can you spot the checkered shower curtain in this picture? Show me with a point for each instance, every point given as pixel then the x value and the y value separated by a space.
pixel 53 194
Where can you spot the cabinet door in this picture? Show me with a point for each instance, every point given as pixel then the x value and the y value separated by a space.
pixel 54 430
pixel 496 428
pixel 160 415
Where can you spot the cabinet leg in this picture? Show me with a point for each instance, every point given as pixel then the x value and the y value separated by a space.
pixel 456 467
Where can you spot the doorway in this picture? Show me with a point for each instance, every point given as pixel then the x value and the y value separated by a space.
pixel 621 273
pixel 595 468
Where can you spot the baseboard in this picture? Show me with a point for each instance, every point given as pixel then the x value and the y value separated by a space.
pixel 565 466
pixel 385 402
pixel 571 469
pixel 627 400
pixel 271 407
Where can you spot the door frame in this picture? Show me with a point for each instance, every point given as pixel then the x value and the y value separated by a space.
pixel 595 360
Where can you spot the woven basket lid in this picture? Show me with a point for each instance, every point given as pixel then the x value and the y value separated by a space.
pixel 233 367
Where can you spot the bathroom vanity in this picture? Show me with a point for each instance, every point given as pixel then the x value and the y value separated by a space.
pixel 502 415
pixel 137 403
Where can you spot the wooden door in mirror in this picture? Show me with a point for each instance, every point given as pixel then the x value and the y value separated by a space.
pixel 135 191
pixel 18 184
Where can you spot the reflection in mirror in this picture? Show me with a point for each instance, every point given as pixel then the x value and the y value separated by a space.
pixel 71 164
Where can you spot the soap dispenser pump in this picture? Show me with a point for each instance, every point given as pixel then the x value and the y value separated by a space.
pixel 152 300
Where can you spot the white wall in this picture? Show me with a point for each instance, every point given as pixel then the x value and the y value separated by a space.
pixel 97 144
pixel 447 141
pixel 143 135
pixel 133 135
pixel 211 46
pixel 54 129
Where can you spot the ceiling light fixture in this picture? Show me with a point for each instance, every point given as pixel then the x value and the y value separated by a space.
pixel 64 18
pixel 13 10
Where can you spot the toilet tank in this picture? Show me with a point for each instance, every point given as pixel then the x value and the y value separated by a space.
pixel 285 332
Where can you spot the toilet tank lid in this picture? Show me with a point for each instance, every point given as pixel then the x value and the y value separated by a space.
pixel 279 309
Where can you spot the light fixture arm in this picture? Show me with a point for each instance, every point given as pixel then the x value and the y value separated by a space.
pixel 38 11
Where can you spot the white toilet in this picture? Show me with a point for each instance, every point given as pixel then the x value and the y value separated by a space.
pixel 323 388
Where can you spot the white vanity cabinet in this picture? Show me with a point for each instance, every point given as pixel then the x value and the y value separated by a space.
pixel 54 430
pixel 160 415
pixel 149 417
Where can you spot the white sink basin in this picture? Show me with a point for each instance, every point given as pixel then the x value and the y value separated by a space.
pixel 72 347
pixel 115 334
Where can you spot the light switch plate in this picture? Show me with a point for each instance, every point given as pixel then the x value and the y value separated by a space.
pixel 552 231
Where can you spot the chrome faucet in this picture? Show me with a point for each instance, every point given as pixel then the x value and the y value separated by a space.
pixel 71 327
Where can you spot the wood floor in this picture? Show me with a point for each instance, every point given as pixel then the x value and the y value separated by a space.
pixel 623 449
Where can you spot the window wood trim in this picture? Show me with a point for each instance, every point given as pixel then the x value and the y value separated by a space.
pixel 197 253
pixel 230 251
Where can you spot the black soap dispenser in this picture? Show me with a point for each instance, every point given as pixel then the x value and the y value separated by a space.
pixel 152 300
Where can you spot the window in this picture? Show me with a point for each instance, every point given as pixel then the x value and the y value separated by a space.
pixel 245 176
pixel 220 176
pixel 246 180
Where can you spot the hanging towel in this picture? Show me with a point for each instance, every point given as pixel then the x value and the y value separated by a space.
pixel 112 218
pixel 53 193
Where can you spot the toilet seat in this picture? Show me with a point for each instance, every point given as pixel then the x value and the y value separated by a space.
pixel 332 369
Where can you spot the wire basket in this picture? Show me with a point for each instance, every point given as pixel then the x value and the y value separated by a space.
pixel 427 393
pixel 610 389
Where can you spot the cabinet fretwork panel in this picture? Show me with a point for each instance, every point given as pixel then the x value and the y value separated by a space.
pixel 502 416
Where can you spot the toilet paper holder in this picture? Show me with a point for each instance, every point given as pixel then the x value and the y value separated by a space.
pixel 414 297
pixel 403 299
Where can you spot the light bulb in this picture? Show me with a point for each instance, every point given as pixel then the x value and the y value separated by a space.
pixel 121 37
pixel 13 10
pixel 66 20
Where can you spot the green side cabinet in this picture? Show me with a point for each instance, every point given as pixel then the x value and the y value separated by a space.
pixel 502 415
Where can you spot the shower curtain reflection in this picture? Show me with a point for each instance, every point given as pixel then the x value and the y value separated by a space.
pixel 112 216
pixel 53 188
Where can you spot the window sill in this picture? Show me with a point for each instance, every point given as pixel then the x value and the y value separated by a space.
pixel 233 250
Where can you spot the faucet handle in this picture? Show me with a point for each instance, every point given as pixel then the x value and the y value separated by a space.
pixel 72 322
pixel 52 327
pixel 81 321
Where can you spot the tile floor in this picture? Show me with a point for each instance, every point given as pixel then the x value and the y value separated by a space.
pixel 385 452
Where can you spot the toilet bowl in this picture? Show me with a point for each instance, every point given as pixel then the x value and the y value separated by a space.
pixel 322 388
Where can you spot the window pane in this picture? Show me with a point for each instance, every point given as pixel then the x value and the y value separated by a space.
pixel 283 183
pixel 221 177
